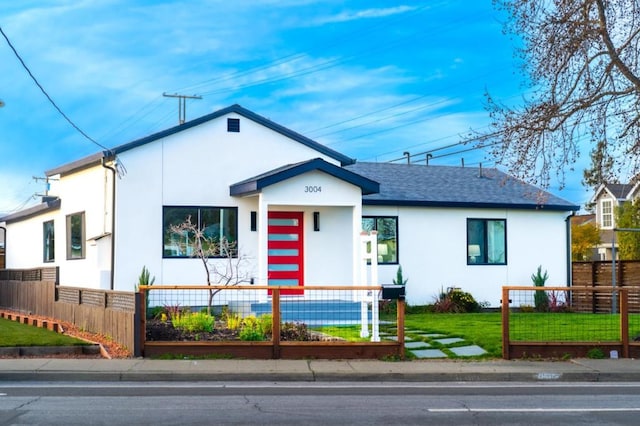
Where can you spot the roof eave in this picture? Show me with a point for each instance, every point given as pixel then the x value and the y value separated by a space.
pixel 32 211
pixel 463 204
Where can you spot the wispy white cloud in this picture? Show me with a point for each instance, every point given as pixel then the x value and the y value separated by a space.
pixel 348 16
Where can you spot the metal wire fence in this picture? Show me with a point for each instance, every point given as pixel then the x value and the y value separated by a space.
pixel 230 313
pixel 559 318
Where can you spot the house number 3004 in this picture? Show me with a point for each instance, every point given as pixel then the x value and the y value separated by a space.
pixel 312 189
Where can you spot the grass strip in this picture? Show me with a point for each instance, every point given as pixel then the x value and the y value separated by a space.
pixel 13 333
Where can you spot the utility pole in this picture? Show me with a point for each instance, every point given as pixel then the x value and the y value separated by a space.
pixel 47 180
pixel 182 104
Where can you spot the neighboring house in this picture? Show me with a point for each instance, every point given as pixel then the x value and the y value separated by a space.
pixel 276 192
pixel 607 197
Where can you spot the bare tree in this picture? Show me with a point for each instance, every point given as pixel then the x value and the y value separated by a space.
pixel 228 268
pixel 582 58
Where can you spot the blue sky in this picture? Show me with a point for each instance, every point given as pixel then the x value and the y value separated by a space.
pixel 370 79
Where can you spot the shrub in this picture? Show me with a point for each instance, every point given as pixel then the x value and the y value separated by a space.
pixel 251 329
pixel 265 323
pixel 456 301
pixel 540 298
pixel 233 320
pixel 193 322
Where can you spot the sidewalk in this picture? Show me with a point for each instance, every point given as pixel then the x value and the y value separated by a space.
pixel 584 370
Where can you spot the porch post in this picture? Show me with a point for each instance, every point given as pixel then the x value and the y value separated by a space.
pixel 263 227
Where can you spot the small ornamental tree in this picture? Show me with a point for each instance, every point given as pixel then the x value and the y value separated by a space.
pixel 584 237
pixel 228 271
pixel 628 216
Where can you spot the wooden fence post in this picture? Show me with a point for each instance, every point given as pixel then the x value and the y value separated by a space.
pixel 275 322
pixel 400 305
pixel 624 321
pixel 505 323
pixel 140 322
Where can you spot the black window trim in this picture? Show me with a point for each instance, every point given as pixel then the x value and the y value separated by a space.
pixel 198 207
pixel 486 219
pixel 375 217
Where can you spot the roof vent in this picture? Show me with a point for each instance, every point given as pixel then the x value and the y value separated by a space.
pixel 233 125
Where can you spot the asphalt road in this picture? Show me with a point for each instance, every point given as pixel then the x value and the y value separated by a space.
pixel 238 403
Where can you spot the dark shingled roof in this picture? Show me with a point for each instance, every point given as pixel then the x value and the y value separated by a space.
pixel 445 186
pixel 619 190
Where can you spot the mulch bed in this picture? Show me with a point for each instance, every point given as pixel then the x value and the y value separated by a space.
pixel 164 331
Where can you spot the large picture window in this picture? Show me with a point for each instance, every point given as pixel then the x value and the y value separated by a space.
pixel 387 227
pixel 48 242
pixel 75 236
pixel 216 223
pixel 486 241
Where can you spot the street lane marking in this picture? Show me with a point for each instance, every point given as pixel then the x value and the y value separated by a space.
pixel 530 410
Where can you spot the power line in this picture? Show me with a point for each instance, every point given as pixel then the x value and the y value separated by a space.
pixel 47 95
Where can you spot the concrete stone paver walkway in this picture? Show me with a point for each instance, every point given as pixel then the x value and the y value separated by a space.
pixel 421 344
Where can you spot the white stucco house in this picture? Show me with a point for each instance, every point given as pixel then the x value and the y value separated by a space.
pixel 287 200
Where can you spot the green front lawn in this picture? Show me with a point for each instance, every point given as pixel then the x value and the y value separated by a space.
pixel 13 333
pixel 484 330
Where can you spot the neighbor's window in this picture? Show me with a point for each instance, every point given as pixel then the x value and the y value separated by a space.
pixel 48 240
pixel 75 236
pixel 607 213
pixel 387 227
pixel 215 222
pixel 486 241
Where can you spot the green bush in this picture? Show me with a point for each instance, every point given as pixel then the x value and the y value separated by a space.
pixel 540 298
pixel 456 301
pixel 251 329
pixel 193 322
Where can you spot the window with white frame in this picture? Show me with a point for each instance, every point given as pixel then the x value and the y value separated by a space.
pixel 75 236
pixel 387 227
pixel 48 242
pixel 486 242
pixel 606 214
pixel 215 223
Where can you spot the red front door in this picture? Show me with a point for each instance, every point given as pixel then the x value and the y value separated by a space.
pixel 285 250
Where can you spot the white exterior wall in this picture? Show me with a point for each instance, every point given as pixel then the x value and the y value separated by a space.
pixel 22 253
pixel 86 191
pixel 194 167
pixel 433 249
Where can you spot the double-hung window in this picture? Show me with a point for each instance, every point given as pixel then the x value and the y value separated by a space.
pixel 387 227
pixel 486 241
pixel 606 214
pixel 216 224
pixel 75 236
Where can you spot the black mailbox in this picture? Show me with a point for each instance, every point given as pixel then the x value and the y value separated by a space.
pixel 392 291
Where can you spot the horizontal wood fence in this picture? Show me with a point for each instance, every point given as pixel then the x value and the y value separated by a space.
pixel 34 291
pixel 599 274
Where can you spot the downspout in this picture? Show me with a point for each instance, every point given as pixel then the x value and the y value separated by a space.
pixel 113 217
pixel 569 260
